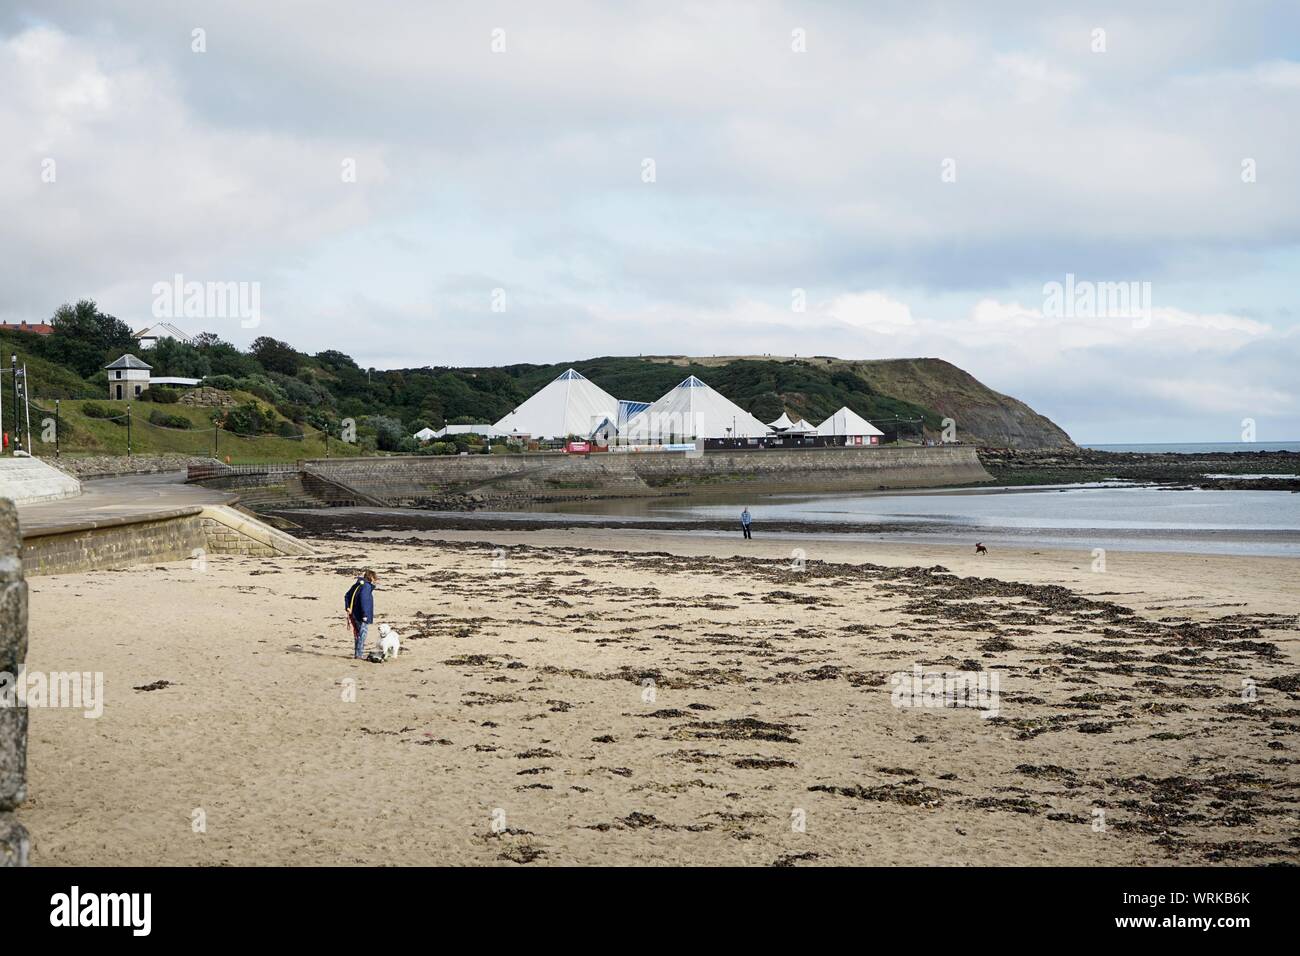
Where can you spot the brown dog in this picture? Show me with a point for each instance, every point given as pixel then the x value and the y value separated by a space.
pixel 980 549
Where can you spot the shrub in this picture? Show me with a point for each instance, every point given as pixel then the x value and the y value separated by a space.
pixel 251 418
pixel 388 431
pixel 263 388
pixel 286 430
pixel 227 383
pixel 164 420
pixel 161 394
pixel 96 410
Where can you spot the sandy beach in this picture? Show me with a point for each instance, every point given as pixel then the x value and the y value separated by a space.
pixel 626 697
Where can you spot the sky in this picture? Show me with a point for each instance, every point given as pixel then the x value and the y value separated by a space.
pixel 485 183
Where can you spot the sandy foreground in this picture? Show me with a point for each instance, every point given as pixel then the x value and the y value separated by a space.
pixel 625 697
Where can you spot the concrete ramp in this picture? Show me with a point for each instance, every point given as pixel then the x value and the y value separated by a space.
pixel 24 480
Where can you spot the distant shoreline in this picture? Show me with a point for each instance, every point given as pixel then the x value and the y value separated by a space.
pixel 1192 448
pixel 1188 469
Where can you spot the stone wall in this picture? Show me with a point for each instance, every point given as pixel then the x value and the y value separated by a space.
pixel 112 544
pixel 14 843
pixel 111 466
pixel 175 536
pixel 830 469
pixel 406 479
pixel 222 539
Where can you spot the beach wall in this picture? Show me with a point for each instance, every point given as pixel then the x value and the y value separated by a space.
pixel 410 480
pixel 830 469
pixel 14 843
pixel 183 534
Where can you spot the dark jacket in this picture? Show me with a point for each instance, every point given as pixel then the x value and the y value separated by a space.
pixel 360 602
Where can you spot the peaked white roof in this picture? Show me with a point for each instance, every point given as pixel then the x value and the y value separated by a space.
pixel 847 422
pixel 782 423
pixel 802 425
pixel 129 361
pixel 570 405
pixel 163 330
pixel 425 434
pixel 692 410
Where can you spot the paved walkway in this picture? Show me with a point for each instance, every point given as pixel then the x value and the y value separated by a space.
pixel 111 499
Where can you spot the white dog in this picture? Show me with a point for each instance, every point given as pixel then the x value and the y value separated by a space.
pixel 390 642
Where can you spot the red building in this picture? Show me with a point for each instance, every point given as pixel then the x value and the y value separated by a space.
pixel 37 328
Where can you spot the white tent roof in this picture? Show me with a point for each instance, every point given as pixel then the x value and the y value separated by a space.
pixel 847 422
pixel 692 410
pixel 802 425
pixel 570 405
pixel 782 423
pixel 425 434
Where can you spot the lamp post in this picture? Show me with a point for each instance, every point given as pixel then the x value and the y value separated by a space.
pixel 13 374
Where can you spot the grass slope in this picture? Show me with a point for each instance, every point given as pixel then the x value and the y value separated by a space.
pixel 80 434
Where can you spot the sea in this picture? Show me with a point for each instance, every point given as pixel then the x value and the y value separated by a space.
pixel 1200 448
pixel 1100 515
pixel 1108 515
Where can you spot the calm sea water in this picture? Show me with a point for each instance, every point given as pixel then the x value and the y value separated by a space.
pixel 1074 516
pixel 1196 448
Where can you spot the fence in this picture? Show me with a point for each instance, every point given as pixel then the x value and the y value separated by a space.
pixel 135 434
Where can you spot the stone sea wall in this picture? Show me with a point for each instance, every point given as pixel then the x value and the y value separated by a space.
pixel 14 843
pixel 182 535
pixel 412 480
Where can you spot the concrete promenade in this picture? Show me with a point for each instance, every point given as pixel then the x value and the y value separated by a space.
pixel 108 501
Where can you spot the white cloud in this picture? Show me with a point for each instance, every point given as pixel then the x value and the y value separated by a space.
pixel 872 312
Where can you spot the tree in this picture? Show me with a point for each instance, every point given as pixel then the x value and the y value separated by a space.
pixel 86 338
pixel 331 358
pixel 174 357
pixel 390 434
pixel 225 359
pixel 274 355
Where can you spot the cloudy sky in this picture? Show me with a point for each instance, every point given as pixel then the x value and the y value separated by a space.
pixel 480 183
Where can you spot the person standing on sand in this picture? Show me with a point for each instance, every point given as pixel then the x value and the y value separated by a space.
pixel 359 603
pixel 745 519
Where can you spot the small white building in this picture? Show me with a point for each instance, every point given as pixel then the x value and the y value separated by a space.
pixel 127 377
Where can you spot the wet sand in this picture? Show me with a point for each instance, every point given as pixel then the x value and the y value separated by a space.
pixel 624 697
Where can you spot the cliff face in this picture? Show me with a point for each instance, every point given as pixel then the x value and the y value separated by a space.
pixel 983 416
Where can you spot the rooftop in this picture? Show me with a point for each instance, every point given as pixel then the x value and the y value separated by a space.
pixel 129 361
pixel 36 328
